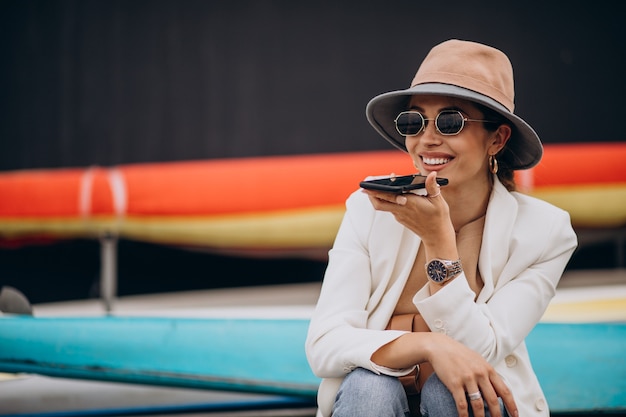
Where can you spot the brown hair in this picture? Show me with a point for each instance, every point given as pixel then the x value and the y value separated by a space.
pixel 505 172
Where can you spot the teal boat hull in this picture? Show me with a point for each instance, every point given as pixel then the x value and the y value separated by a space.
pixel 582 367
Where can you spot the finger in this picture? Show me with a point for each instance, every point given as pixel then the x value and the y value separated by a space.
pixel 401 200
pixel 460 400
pixel 431 185
pixel 381 196
pixel 385 201
pixel 476 402
pixel 491 401
pixel 486 397
pixel 492 391
pixel 503 391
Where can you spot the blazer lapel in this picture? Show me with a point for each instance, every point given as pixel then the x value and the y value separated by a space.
pixel 494 251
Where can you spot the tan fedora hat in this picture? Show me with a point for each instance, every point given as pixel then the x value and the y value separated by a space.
pixel 470 71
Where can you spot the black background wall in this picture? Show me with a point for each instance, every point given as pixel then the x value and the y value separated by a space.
pixel 94 82
pixel 86 82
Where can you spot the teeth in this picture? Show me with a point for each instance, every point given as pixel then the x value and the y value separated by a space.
pixel 435 161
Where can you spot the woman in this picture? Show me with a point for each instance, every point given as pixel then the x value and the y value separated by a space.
pixel 427 300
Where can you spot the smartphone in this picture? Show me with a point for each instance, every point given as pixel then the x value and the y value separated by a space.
pixel 399 185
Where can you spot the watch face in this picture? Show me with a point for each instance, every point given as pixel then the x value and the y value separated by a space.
pixel 437 271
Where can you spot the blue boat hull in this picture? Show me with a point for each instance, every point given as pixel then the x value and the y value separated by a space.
pixel 581 367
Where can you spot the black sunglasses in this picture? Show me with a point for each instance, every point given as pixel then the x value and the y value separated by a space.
pixel 447 122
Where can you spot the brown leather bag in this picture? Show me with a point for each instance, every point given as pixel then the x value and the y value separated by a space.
pixel 414 381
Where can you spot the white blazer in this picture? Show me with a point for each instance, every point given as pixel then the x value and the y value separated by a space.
pixel 525 248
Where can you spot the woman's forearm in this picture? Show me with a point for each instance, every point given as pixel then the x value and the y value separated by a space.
pixel 405 351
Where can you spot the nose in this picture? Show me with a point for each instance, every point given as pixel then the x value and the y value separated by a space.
pixel 430 136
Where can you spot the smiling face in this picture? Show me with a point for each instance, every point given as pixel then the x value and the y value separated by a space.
pixel 462 158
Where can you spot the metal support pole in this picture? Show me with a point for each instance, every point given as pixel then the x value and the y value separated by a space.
pixel 108 270
pixel 619 249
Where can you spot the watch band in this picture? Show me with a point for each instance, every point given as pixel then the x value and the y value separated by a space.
pixel 442 270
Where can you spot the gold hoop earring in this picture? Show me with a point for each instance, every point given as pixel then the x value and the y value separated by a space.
pixel 493 164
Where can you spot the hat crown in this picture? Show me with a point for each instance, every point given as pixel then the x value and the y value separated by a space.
pixel 470 65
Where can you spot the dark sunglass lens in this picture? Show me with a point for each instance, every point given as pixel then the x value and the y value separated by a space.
pixel 450 123
pixel 409 123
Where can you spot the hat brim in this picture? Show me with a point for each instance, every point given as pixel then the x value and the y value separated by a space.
pixel 524 147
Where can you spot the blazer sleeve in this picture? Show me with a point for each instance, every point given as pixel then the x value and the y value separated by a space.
pixel 519 284
pixel 342 334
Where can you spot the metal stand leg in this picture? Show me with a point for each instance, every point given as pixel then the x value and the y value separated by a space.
pixel 108 270
pixel 619 243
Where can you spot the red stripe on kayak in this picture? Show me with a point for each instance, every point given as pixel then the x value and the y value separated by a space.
pixel 254 184
pixel 581 163
pixel 260 184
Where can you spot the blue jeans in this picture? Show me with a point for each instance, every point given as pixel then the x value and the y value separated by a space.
pixel 365 394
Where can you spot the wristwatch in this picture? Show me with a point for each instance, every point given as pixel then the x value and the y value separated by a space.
pixel 441 270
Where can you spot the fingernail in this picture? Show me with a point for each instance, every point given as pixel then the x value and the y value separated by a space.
pixel 401 200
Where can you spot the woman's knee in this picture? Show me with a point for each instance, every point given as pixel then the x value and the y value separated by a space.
pixel 436 399
pixel 364 393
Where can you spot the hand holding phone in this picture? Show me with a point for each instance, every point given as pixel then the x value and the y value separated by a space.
pixel 400 185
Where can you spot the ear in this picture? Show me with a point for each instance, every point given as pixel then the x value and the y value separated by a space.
pixel 499 139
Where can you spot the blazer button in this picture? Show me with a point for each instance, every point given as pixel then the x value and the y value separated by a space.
pixel 348 367
pixel 540 404
pixel 510 361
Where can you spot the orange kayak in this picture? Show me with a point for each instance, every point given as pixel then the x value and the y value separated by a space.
pixel 281 203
